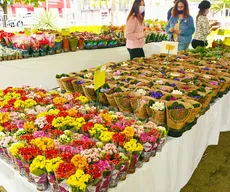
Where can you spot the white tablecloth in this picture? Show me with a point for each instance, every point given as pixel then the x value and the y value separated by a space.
pixel 170 170
pixel 41 71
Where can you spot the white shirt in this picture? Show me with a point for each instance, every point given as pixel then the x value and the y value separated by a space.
pixel 202 28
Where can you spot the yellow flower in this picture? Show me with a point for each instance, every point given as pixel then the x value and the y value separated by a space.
pixel 3 103
pixel 37 166
pixel 79 180
pixel 129 132
pixel 1 128
pixel 50 112
pixel 14 148
pixel 132 146
pixel 79 162
pixel 19 103
pixel 4 117
pixel 97 130
pixel 106 136
pixel 82 99
pixel 52 164
pixel 43 143
pixel 107 117
pixel 41 94
pixel 11 95
pixel 59 100
pixel 53 92
pixel 72 112
pixel 30 127
pixel 30 103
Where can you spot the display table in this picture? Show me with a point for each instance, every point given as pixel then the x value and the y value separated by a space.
pixel 170 170
pixel 41 71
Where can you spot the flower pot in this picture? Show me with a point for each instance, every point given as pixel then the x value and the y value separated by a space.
pixel 81 43
pixel 133 163
pixel 41 182
pixel 66 44
pixel 124 171
pixel 73 42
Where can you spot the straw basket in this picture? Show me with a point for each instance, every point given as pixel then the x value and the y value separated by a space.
pixel 138 105
pixel 110 99
pixel 194 111
pixel 89 92
pixel 123 101
pixel 177 118
pixel 157 116
pixel 60 84
pixel 103 99
pixel 77 87
pixel 67 83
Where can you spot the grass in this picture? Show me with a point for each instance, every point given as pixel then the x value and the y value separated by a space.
pixel 213 172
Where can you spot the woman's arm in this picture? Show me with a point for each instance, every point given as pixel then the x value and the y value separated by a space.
pixel 130 28
pixel 168 26
pixel 191 29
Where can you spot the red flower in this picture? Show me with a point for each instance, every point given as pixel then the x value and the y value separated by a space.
pixel 119 138
pixel 52 153
pixel 94 171
pixel 50 118
pixel 66 156
pixel 86 127
pixel 28 153
pixel 65 170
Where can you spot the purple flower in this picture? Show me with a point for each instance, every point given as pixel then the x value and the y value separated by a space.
pixel 177 79
pixel 80 82
pixel 178 107
pixel 206 68
pixel 173 85
pixel 156 95
pixel 197 97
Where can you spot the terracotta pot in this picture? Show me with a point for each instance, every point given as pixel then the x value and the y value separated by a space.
pixel 65 44
pixel 81 43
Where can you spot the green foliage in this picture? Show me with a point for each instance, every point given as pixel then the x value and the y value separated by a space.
pixel 46 20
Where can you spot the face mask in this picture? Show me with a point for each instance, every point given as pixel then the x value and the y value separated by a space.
pixel 180 12
pixel 141 9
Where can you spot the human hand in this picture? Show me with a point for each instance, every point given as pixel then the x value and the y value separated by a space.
pixel 214 28
pixel 177 31
pixel 171 30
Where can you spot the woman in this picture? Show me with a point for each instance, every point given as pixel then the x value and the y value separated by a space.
pixel 203 29
pixel 180 26
pixel 134 33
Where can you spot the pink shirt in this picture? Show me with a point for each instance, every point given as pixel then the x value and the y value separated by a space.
pixel 134 33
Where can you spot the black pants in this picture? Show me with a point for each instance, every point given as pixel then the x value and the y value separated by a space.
pixel 196 43
pixel 138 52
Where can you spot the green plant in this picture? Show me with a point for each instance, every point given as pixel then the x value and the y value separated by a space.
pixel 46 20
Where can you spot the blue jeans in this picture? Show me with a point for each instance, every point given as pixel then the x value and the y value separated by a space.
pixel 182 46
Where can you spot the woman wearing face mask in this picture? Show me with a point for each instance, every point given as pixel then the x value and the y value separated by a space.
pixel 134 32
pixel 203 29
pixel 180 26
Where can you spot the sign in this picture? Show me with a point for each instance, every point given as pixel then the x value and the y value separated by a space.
pixel 65 32
pixel 27 31
pixel 226 41
pixel 99 76
pixel 169 47
pixel 221 32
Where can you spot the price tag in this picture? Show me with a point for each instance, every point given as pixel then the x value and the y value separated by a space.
pixel 227 41
pixel 169 47
pixel 99 76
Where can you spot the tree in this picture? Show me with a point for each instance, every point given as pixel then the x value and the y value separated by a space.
pixel 4 4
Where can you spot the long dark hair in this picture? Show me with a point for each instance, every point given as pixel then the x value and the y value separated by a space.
pixel 186 8
pixel 135 11
pixel 201 12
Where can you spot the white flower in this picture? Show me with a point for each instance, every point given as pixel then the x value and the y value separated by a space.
pixel 88 75
pixel 141 91
pixel 174 75
pixel 207 76
pixel 189 70
pixel 2 135
pixel 124 64
pixel 116 77
pixel 177 92
pixel 159 82
pixel 90 86
pixel 158 106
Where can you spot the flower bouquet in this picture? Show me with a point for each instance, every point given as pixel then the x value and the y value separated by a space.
pixel 156 111
pixel 177 114
pixel 38 171
pixel 134 149
pixel 123 101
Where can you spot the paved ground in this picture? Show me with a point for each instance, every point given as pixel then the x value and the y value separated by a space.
pixel 213 172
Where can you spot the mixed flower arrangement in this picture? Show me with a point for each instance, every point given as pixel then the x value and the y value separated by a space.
pixel 58 138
